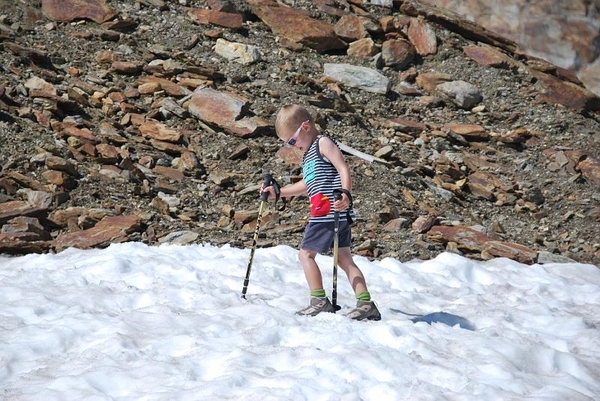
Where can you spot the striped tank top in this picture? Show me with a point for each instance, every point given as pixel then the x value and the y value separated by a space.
pixel 320 176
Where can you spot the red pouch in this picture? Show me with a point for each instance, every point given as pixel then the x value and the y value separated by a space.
pixel 319 205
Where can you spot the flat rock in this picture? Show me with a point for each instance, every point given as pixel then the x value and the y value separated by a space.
pixel 69 10
pixel 111 229
pixel 297 27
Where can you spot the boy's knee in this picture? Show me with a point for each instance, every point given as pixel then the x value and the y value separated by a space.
pixel 345 255
pixel 306 254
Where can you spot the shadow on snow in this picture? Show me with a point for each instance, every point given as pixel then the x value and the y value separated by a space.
pixel 440 317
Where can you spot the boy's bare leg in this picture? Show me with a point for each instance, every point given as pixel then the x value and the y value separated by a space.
pixel 355 275
pixel 319 302
pixel 311 269
pixel 365 307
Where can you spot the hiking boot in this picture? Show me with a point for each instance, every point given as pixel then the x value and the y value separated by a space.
pixel 365 310
pixel 317 305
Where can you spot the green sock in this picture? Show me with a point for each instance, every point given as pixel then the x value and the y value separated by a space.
pixel 363 296
pixel 320 293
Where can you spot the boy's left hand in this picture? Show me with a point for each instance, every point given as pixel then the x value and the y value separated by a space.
pixel 341 204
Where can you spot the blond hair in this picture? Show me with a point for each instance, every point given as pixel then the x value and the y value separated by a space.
pixel 290 117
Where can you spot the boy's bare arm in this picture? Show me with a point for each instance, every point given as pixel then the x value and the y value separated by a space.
pixel 295 189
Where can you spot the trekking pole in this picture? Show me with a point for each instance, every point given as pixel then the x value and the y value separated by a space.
pixel 268 180
pixel 337 195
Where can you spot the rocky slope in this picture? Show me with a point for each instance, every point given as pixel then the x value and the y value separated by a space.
pixel 566 33
pixel 152 121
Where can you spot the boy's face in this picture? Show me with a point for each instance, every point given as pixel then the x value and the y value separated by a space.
pixel 296 138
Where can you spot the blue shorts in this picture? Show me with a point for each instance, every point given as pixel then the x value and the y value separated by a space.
pixel 318 236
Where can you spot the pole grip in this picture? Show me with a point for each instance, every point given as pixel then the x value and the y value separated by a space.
pixel 267 182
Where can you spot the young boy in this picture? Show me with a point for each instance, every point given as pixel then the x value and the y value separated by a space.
pixel 323 169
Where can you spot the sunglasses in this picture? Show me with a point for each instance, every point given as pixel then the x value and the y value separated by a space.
pixel 292 141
